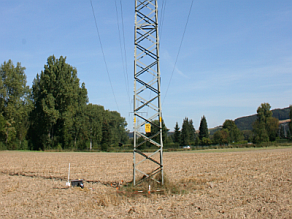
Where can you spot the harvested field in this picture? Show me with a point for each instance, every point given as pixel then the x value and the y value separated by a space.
pixel 249 184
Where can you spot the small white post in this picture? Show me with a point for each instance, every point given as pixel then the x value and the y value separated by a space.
pixel 68 183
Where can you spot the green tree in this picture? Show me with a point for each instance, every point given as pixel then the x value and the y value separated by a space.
pixel 15 104
pixel 235 134
pixel 264 112
pixel 185 132
pixel 197 141
pixel 192 132
pixel 265 127
pixel 272 127
pixel 260 133
pixel 204 133
pixel 247 135
pixel 118 128
pixel 176 135
pixel 188 132
pixel 113 129
pixel 206 141
pixel 221 137
pixel 56 97
pixel 94 123
pixel 106 133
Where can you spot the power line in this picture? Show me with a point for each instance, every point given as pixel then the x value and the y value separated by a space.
pixel 179 49
pixel 103 55
pixel 123 53
pixel 161 20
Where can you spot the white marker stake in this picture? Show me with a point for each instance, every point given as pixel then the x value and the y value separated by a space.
pixel 68 183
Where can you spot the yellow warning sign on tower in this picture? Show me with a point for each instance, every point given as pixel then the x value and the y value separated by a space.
pixel 147 128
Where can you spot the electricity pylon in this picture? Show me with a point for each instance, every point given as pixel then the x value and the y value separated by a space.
pixel 147 103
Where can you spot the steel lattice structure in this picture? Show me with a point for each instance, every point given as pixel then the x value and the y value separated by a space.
pixel 147 103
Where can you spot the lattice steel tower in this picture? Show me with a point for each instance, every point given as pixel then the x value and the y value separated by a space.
pixel 147 103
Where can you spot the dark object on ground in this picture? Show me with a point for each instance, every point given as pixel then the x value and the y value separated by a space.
pixel 78 183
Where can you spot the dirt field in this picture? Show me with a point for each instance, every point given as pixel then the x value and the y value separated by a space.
pixel 249 184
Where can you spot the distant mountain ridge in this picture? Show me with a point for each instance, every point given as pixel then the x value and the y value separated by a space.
pixel 245 123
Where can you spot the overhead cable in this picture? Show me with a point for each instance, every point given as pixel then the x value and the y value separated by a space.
pixel 104 55
pixel 123 53
pixel 174 66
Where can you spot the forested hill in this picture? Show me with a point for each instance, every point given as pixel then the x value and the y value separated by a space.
pixel 245 123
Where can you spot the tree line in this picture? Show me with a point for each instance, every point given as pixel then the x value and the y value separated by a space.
pixel 188 136
pixel 264 129
pixel 55 112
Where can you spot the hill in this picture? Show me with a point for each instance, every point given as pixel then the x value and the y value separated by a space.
pixel 245 123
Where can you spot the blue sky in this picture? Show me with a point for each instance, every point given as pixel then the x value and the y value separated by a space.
pixel 235 54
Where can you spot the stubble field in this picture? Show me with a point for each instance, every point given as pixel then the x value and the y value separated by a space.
pixel 247 184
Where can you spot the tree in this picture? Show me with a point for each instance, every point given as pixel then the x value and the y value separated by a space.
pixel 221 137
pixel 176 135
pixel 197 141
pixel 188 132
pixel 192 131
pixel 260 133
pixel 204 133
pixel 15 104
pixel 272 127
pixel 94 115
pixel 118 127
pixel 81 121
pixel 185 132
pixel 106 133
pixel 264 112
pixel 206 141
pixel 265 127
pixel 247 135
pixel 234 133
pixel 57 97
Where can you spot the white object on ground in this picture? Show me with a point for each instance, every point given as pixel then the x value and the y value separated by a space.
pixel 68 183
